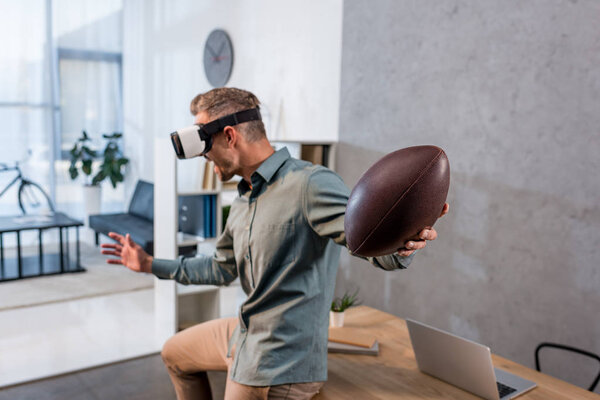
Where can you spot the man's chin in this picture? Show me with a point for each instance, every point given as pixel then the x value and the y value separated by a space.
pixel 224 177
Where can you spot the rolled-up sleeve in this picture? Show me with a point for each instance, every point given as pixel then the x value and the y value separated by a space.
pixel 391 261
pixel 218 269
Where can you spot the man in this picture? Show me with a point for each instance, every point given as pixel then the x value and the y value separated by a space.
pixel 277 241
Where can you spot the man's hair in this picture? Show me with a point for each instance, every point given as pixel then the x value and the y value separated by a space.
pixel 224 101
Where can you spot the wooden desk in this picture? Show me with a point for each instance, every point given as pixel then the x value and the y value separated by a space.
pixel 393 374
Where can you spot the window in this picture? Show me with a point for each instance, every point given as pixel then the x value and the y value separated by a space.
pixel 60 73
pixel 90 95
pixel 25 106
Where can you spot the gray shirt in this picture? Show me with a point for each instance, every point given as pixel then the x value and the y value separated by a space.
pixel 280 239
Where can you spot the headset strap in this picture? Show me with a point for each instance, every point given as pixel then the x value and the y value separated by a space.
pixel 252 114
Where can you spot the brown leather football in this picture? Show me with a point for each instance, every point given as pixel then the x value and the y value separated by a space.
pixel 395 199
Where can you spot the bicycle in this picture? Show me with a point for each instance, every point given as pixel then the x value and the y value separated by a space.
pixel 32 198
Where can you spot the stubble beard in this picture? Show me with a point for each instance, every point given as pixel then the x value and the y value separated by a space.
pixel 224 171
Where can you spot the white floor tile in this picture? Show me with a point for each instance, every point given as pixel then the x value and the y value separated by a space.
pixel 47 340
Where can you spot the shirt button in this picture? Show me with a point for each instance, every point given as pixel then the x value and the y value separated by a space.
pixel 247 257
pixel 247 227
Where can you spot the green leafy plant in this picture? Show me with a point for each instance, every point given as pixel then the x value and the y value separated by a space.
pixel 82 156
pixel 341 304
pixel 113 162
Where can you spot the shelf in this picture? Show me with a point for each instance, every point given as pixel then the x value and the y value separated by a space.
pixel 198 192
pixel 183 290
pixel 185 239
pixel 301 142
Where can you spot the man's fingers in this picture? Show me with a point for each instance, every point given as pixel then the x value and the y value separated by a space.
pixel 428 234
pixel 129 240
pixel 111 246
pixel 111 253
pixel 445 210
pixel 420 241
pixel 114 261
pixel 415 244
pixel 117 237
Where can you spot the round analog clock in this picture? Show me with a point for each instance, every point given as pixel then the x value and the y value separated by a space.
pixel 218 58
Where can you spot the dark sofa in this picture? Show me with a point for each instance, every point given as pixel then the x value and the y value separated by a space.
pixel 138 221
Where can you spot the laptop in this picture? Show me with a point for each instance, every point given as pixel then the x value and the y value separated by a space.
pixel 463 363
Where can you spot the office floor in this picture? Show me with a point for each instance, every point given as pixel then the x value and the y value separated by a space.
pixel 60 343
pixel 49 328
pixel 140 379
pixel 47 340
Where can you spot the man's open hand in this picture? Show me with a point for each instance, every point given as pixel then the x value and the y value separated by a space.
pixel 129 253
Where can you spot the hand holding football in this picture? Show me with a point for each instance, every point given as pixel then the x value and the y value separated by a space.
pixel 395 199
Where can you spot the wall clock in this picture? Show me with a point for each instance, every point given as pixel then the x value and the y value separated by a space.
pixel 218 58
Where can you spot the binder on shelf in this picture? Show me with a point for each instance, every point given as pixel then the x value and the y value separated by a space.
pixel 209 181
pixel 315 153
pixel 325 159
pixel 205 176
pixel 312 153
pixel 210 215
pixel 191 214
pixel 209 211
pixel 206 207
pixel 213 215
pixel 198 214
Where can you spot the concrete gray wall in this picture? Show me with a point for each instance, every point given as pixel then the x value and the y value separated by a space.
pixel 511 91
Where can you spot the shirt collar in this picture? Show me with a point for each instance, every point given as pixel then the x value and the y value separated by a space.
pixel 267 169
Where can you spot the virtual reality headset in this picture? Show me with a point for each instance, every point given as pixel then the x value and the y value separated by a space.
pixel 197 140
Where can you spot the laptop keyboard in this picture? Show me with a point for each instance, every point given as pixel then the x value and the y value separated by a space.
pixel 504 390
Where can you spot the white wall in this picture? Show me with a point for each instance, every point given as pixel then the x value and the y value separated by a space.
pixel 287 53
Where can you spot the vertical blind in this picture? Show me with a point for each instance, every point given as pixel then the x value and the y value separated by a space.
pixel 60 73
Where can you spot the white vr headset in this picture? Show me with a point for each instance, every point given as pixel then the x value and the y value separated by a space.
pixel 197 140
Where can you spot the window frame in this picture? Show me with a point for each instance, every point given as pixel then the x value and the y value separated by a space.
pixel 64 53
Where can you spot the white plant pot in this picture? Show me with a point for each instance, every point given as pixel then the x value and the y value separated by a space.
pixel 336 319
pixel 92 197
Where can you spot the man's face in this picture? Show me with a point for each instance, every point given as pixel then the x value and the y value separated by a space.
pixel 219 153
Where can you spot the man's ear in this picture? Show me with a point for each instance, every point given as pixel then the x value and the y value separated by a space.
pixel 231 136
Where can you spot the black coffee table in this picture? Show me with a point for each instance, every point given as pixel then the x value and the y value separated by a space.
pixel 42 264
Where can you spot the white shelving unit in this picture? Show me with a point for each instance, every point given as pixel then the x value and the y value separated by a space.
pixel 178 306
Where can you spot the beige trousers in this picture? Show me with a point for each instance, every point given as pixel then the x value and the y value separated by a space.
pixel 193 351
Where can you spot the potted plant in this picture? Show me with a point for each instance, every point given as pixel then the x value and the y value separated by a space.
pixel 339 305
pixel 113 161
pixel 82 158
